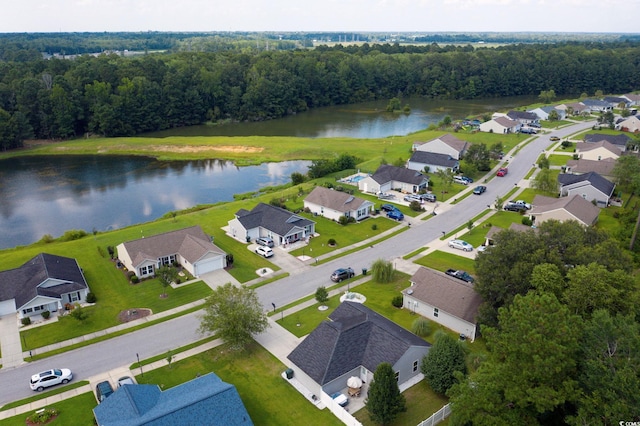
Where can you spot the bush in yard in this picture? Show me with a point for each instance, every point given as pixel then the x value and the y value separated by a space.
pixel 322 295
pixel 526 221
pixel 46 314
pixel 397 301
pixel 91 297
pixel 415 206
pixel 42 417
pixel 374 227
pixel 343 220
pixel 421 327
pixel 130 274
pixel 135 279
pixel 79 313
pixel 331 242
pixel 384 400
pixel 382 271
pixel 26 321
pixel 445 358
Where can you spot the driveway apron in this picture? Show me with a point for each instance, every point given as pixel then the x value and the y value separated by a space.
pixel 10 341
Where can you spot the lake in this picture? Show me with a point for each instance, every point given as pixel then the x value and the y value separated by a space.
pixel 50 195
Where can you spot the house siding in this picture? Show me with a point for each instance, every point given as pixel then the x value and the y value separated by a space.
pixel 414 165
pixel 560 215
pixel 404 366
pixel 596 154
pixel 370 186
pixel 439 147
pixel 587 192
pixel 451 322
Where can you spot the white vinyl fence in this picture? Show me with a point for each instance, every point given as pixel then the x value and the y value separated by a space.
pixel 437 417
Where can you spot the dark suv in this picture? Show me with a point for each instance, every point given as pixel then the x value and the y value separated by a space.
pixel 342 274
pixel 103 390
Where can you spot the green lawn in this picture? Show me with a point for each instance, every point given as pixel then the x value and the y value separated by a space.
pixel 442 261
pixel 269 399
pixel 76 411
pixel 559 160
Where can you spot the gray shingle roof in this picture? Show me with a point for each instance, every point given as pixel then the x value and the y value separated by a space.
pixel 597 181
pixel 275 219
pixel 446 293
pixel 433 158
pixel 590 146
pixel 577 206
pixel 206 400
pixel 453 142
pixel 602 167
pixel 522 115
pixel 191 243
pixel 506 122
pixel 335 200
pixel 387 173
pixel 22 283
pixel 618 140
pixel 355 336
pixel 595 103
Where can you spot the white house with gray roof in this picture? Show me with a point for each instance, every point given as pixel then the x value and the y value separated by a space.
pixel 45 283
pixel 448 301
pixel 563 209
pixel 334 204
pixel 543 112
pixel 353 342
pixel 190 247
pixel 500 125
pixel 388 178
pixel 523 117
pixel 590 186
pixel 446 144
pixel 432 162
pixel 620 140
pixel 265 220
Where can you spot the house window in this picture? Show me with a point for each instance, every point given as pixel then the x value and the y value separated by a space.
pixel 435 312
pixel 397 374
pixel 74 296
pixel 26 311
pixel 415 366
pixel 38 308
pixel 146 270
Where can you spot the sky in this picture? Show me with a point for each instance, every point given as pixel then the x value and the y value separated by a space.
pixel 321 15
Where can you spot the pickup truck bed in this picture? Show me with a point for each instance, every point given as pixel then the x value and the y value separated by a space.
pixel 461 275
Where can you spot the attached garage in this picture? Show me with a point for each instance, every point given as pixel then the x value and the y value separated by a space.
pixel 7 307
pixel 209 264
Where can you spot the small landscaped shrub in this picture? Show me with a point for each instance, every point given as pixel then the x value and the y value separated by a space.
pixel 566 144
pixel 421 327
pixel 47 238
pixel 135 279
pixel 374 227
pixel 73 234
pixel 343 220
pixel 42 416
pixel 322 295
pixel 91 297
pixel 415 206
pixel 331 242
pixel 397 301
pixel 46 314
pixel 25 321
pixel 526 221
pixel 130 274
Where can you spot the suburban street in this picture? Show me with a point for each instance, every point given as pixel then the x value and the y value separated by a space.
pixel 158 339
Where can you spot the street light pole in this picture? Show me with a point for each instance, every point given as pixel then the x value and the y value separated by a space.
pixel 140 365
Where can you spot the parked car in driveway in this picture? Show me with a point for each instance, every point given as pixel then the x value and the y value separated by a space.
pixel 460 245
pixel 395 215
pixel 502 171
pixel 480 189
pixel 513 207
pixel 48 378
pixel 103 390
pixel 412 197
pixel 264 251
pixel 461 275
pixel 460 180
pixel 125 380
pixel 388 207
pixel 342 274
pixel 265 241
pixel 429 197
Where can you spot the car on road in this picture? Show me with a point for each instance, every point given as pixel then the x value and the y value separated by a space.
pixel 460 180
pixel 395 215
pixel 103 390
pixel 460 245
pixel 125 380
pixel 480 189
pixel 51 377
pixel 502 171
pixel 388 207
pixel 342 274
pixel 429 197
pixel 554 139
pixel 264 251
pixel 265 241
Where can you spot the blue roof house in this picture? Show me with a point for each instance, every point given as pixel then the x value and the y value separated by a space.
pixel 206 400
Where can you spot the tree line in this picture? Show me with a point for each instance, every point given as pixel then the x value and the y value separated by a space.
pixel 111 95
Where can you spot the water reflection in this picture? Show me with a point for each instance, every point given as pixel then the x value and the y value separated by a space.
pixel 50 195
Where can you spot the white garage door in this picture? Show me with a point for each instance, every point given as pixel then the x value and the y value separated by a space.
pixel 208 265
pixel 7 307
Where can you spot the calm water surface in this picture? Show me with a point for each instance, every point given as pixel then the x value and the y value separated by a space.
pixel 51 195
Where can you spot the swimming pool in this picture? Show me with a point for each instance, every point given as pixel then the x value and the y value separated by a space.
pixel 357 178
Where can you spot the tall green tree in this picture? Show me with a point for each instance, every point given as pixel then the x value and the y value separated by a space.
pixel 382 271
pixel 545 181
pixel 445 358
pixel 384 400
pixel 531 367
pixel 479 157
pixel 234 314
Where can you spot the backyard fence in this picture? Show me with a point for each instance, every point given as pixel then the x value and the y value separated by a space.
pixel 437 417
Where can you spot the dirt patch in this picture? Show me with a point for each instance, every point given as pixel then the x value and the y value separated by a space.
pixel 133 314
pixel 204 148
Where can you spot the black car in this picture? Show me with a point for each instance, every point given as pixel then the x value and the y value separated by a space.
pixel 479 189
pixel 512 207
pixel 342 274
pixel 103 390
pixel 388 207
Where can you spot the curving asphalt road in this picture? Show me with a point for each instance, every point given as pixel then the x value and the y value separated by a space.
pixel 151 341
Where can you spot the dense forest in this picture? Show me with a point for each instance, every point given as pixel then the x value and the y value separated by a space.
pixel 115 95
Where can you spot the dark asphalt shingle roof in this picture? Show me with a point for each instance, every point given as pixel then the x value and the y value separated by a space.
pixel 335 200
pixel 602 167
pixel 387 173
pixel 522 115
pixel 618 140
pixel 275 219
pixel 355 336
pixel 206 400
pixel 22 283
pixel 436 159
pixel 597 181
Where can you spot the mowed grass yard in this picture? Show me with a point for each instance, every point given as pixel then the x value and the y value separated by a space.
pixel 76 411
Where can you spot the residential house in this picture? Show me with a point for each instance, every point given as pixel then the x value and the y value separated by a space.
pixel 190 247
pixel 448 301
pixel 518 227
pixel 563 209
pixel 543 112
pixel 432 162
pixel 616 101
pixel 575 108
pixel 620 140
pixel 597 150
pixel 590 186
pixel 501 125
pixel 334 204
pixel 265 220
pixel 205 400
pixel 596 105
pixel 353 342
pixel 523 117
pixel 603 167
pixel 633 98
pixel 446 144
pixel 45 283
pixel 389 177
pixel 630 124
